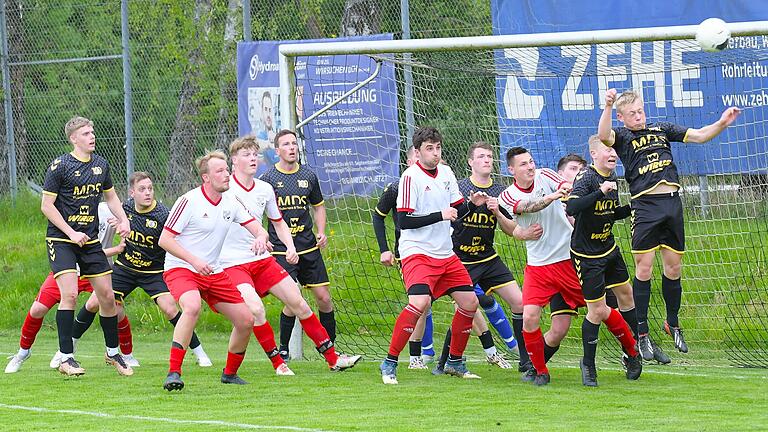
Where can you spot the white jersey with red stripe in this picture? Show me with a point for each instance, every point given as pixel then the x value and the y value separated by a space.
pixel 201 226
pixel 554 244
pixel 420 194
pixel 257 199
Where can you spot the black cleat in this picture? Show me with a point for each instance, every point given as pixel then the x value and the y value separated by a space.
pixel 523 367
pixel 588 374
pixel 173 382
pixel 529 375
pixel 633 366
pixel 541 380
pixel 285 355
pixel 232 379
pixel 677 336
pixel 645 347
pixel 659 355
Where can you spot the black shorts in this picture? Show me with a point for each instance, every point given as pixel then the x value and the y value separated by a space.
pixel 657 222
pixel 309 271
pixel 125 280
pixel 490 274
pixel 598 274
pixel 65 257
pixel 558 306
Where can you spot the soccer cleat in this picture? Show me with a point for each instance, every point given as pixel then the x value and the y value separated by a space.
pixel 285 355
pixel 524 367
pixel 284 370
pixel 588 374
pixel 645 347
pixel 232 379
pixel 659 355
pixel 130 360
pixel 427 359
pixel 417 363
pixel 173 382
pixel 633 366
pixel 15 364
pixel 498 360
pixel 459 369
pixel 677 336
pixel 119 364
pixel 56 360
pixel 438 370
pixel 346 362
pixel 541 380
pixel 529 374
pixel 70 367
pixel 388 372
pixel 203 360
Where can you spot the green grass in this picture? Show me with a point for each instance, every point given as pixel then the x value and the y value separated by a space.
pixel 665 398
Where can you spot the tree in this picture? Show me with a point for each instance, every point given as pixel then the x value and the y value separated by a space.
pixel 361 17
pixel 227 123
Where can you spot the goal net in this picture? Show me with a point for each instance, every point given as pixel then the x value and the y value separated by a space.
pixel 548 99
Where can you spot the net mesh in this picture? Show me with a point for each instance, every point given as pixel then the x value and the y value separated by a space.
pixel 549 100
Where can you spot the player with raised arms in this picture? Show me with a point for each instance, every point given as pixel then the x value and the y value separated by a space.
pixel 657 210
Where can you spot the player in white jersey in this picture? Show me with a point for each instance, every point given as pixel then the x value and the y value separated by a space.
pixel 259 275
pixel 549 270
pixel 193 237
pixel 429 200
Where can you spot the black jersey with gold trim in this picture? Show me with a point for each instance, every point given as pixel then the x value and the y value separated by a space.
pixel 388 203
pixel 142 253
pixel 592 230
pixel 474 233
pixel 78 187
pixel 647 155
pixel 296 191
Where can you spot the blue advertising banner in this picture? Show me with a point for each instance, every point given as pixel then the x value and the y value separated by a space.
pixel 550 99
pixel 353 147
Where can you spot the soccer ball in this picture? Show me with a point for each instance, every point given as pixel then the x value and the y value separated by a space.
pixel 712 35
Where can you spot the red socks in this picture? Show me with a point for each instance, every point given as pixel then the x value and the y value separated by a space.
pixel 461 327
pixel 266 338
pixel 233 362
pixel 319 336
pixel 404 325
pixel 534 344
pixel 177 358
pixel 620 329
pixel 29 331
pixel 124 335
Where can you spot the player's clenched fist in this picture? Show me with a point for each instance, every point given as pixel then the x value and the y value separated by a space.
pixel 450 214
pixel 610 97
pixel 729 116
pixel 608 186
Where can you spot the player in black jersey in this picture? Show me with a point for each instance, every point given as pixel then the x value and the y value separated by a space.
pixel 657 211
pixel 297 190
pixel 73 187
pixel 140 265
pixel 594 202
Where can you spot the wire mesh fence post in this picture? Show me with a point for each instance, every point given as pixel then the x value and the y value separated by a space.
pixel 8 105
pixel 127 90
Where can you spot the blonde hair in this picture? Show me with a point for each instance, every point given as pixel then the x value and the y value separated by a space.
pixel 202 162
pixel 627 98
pixel 594 143
pixel 244 142
pixel 74 124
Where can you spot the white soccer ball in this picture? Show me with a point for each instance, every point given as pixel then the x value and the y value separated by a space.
pixel 712 35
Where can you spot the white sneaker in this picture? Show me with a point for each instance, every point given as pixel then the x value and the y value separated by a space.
pixel 56 360
pixel 346 362
pixel 130 360
pixel 203 360
pixel 15 364
pixel 417 363
pixel 498 360
pixel 427 359
pixel 284 370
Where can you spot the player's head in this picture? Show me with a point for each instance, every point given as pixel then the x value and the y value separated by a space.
pixel 428 144
pixel 604 157
pixel 480 158
pixel 79 132
pixel 212 167
pixel 244 152
pixel 521 165
pixel 410 156
pixel 570 165
pixel 287 146
pixel 140 189
pixel 629 110
pixel 266 110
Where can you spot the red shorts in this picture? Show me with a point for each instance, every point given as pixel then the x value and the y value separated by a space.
pixel 214 289
pixel 50 295
pixel 440 275
pixel 262 274
pixel 540 283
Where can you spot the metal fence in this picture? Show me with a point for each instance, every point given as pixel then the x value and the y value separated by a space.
pixel 158 76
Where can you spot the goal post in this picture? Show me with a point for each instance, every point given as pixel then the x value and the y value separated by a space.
pixel 545 91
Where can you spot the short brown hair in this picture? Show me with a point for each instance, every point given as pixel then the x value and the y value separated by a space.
pixel 74 124
pixel 573 157
pixel 514 151
pixel 476 145
pixel 244 142
pixel 424 134
pixel 283 133
pixel 626 98
pixel 136 177
pixel 202 162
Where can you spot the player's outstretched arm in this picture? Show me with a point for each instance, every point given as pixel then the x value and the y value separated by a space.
pixel 708 132
pixel 532 206
pixel 284 234
pixel 168 242
pixel 604 130
pixel 578 204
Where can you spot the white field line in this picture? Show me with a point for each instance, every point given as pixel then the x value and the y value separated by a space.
pixel 159 419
